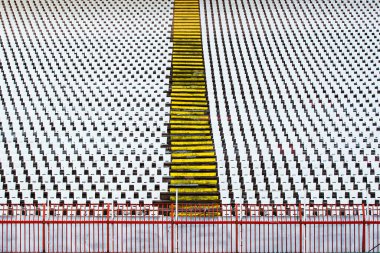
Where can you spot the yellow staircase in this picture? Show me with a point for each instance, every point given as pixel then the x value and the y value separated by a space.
pixel 193 165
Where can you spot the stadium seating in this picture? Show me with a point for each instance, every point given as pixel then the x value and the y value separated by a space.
pixel 294 99
pixel 83 100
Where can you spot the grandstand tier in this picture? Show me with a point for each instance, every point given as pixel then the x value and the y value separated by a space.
pixel 294 99
pixel 232 102
pixel 83 100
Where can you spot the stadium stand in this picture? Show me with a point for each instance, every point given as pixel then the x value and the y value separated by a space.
pixel 294 99
pixel 83 101
pixel 189 126
pixel 87 96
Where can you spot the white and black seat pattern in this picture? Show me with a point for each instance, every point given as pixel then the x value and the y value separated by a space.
pixel 83 100
pixel 294 97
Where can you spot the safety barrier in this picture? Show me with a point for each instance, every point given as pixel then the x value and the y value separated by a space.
pixel 201 228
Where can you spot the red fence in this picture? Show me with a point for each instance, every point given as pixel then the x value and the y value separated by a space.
pixel 204 228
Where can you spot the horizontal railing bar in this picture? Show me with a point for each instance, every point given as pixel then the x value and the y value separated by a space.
pixel 189 222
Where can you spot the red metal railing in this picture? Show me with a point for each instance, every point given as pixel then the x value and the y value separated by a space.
pixel 201 228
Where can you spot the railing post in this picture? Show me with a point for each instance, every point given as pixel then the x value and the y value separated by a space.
pixel 237 227
pixel 108 228
pixel 300 215
pixel 364 233
pixel 172 230
pixel 176 204
pixel 44 228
